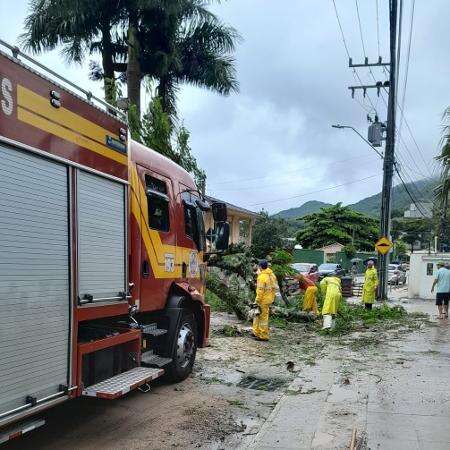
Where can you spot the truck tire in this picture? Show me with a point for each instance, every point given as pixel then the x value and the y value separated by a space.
pixel 185 348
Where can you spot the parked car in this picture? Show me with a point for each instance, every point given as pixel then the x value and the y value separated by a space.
pixel 396 274
pixel 331 269
pixel 302 268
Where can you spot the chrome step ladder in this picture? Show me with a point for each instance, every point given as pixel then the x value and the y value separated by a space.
pixel 149 359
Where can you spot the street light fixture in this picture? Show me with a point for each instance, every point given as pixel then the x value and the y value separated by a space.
pixel 360 135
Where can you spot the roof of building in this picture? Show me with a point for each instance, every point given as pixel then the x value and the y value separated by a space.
pixel 336 245
pixel 232 207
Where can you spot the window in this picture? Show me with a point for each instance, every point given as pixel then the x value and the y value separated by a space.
pixel 193 224
pixel 430 269
pixel 189 221
pixel 156 185
pixel 158 204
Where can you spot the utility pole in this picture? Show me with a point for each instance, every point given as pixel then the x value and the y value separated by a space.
pixel 389 154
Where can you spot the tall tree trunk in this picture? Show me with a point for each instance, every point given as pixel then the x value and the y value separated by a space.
pixel 166 94
pixel 108 65
pixel 134 74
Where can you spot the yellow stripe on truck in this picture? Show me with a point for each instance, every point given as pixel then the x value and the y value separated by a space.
pixel 69 135
pixel 156 250
pixel 73 127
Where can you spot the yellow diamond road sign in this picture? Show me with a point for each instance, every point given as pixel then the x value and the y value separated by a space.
pixel 383 245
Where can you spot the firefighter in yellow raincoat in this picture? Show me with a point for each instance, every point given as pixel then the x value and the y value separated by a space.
pixel 266 286
pixel 331 287
pixel 370 285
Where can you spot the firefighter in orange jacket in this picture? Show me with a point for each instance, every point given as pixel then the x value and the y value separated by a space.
pixel 266 286
pixel 310 298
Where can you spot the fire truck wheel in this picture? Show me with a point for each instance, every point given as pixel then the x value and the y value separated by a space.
pixel 185 348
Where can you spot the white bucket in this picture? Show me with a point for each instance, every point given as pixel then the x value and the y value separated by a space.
pixel 327 321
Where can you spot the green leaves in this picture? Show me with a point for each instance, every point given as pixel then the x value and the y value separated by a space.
pixel 268 234
pixel 156 132
pixel 338 224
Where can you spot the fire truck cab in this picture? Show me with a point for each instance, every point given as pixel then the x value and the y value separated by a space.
pixel 102 249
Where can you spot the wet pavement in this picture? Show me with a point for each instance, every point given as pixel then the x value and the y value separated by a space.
pixel 395 395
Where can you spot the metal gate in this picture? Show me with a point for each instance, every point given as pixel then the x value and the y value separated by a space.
pixel 101 238
pixel 34 278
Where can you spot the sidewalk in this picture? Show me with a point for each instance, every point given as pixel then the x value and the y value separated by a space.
pixel 396 395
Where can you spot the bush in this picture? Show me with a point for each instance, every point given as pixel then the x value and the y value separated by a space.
pixel 216 303
pixel 349 317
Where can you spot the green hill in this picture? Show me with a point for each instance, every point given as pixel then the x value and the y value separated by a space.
pixel 307 208
pixel 422 190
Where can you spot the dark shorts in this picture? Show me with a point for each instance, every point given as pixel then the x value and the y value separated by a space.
pixel 442 298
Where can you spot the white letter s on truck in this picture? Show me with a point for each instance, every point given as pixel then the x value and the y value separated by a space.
pixel 7 101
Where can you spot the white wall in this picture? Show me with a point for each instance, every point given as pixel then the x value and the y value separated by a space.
pixel 420 282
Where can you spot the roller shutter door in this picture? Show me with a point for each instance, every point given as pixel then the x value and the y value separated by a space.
pixel 101 237
pixel 34 277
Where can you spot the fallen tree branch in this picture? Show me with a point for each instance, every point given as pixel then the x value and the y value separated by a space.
pixel 292 314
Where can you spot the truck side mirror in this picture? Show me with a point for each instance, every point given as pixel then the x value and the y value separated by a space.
pixel 219 211
pixel 221 236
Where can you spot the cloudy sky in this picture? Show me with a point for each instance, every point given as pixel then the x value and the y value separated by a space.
pixel 272 146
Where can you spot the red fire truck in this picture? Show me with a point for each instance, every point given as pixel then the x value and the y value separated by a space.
pixel 102 249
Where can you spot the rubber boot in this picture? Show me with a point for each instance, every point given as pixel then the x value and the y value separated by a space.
pixel 327 320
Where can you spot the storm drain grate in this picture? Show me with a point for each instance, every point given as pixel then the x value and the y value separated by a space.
pixel 261 384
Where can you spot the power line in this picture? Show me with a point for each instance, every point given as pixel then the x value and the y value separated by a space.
pixel 402 141
pixel 291 171
pixel 399 42
pixel 378 29
pixel 360 29
pixel 414 140
pixel 355 73
pixel 417 175
pixel 412 135
pixel 408 192
pixel 418 192
pixel 315 192
pixel 361 34
pixel 408 54
pixel 271 185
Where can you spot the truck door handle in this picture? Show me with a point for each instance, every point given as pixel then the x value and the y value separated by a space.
pixel 145 269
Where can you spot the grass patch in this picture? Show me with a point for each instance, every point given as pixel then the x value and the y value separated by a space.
pixel 279 322
pixel 229 331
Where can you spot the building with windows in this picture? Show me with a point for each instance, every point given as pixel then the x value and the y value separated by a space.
pixel 419 210
pixel 331 250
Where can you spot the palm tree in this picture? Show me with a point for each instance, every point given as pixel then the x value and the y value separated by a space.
pixel 188 44
pixel 442 191
pixel 81 27
pixel 168 41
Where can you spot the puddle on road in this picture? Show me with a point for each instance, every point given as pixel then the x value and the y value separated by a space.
pixel 262 384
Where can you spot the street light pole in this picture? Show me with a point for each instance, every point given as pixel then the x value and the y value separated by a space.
pixel 360 135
